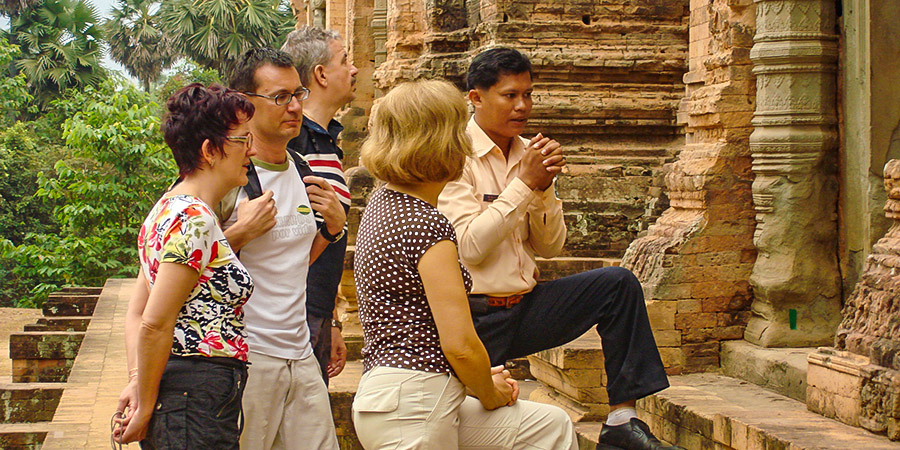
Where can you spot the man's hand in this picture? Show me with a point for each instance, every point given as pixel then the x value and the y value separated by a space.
pixel 254 218
pixel 338 353
pixel 325 201
pixel 542 161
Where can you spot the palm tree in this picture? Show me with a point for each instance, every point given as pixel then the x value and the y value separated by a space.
pixel 60 43
pixel 11 8
pixel 136 42
pixel 215 32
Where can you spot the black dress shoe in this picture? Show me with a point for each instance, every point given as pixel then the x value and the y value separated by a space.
pixel 634 435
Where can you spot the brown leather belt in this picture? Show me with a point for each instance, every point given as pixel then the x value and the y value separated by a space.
pixel 504 302
pixel 481 304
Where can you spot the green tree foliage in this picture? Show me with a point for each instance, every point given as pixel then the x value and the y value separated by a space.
pixel 215 32
pixel 61 46
pixel 22 158
pixel 183 74
pixel 14 96
pixel 119 166
pixel 11 8
pixel 136 42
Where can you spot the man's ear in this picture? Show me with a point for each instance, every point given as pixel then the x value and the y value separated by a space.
pixel 319 75
pixel 475 97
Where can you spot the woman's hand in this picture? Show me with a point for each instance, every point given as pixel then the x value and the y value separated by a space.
pixel 136 430
pixel 502 394
pixel 128 401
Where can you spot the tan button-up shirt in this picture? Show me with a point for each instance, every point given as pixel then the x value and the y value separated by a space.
pixel 500 223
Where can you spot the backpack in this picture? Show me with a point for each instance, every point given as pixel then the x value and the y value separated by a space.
pixel 253 188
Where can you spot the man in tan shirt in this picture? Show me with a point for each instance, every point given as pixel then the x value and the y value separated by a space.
pixel 505 212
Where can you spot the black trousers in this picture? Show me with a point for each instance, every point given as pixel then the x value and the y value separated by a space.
pixel 199 405
pixel 559 311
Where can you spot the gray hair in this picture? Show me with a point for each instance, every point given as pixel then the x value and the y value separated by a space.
pixel 308 46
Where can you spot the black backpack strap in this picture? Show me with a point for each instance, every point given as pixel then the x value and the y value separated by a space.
pixel 253 188
pixel 301 164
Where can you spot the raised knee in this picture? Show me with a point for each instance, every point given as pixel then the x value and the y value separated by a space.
pixel 622 277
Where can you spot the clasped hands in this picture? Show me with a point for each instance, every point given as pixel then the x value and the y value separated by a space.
pixel 542 161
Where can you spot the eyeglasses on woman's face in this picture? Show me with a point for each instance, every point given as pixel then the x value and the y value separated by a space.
pixel 284 98
pixel 246 140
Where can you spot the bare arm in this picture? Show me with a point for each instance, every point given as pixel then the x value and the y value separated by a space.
pixel 174 283
pixel 136 305
pixel 446 294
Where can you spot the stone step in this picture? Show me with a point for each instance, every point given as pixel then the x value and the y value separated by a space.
pixel 710 411
pixel 43 356
pixel 575 378
pixel 782 370
pixel 23 436
pixel 66 305
pixel 59 324
pixel 83 290
pixel 29 402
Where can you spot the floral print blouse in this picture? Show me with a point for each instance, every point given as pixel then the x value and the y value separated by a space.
pixel 182 229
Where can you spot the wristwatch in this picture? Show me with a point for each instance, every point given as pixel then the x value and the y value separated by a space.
pixel 337 324
pixel 329 237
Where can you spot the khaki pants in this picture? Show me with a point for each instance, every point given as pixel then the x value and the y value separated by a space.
pixel 286 406
pixel 408 409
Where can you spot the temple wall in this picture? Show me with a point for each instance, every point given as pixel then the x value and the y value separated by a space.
pixel 607 86
pixel 696 259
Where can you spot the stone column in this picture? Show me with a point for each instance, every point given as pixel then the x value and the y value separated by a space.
pixel 796 280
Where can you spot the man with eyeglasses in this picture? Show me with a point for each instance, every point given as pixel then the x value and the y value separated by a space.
pixel 285 402
pixel 324 67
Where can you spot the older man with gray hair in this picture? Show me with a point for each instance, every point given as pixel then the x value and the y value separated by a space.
pixel 325 69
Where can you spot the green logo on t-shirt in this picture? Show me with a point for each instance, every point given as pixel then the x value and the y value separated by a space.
pixel 303 209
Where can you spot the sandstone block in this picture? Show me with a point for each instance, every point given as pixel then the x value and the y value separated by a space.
pixel 577 411
pixel 662 314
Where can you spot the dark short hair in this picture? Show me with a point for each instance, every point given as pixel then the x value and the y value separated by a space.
pixel 243 74
pixel 197 113
pixel 486 68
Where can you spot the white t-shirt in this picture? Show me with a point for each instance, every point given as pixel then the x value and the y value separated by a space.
pixel 278 261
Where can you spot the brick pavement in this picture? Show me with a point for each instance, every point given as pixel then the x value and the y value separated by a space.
pixel 98 376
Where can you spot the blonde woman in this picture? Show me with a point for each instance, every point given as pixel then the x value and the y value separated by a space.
pixel 422 355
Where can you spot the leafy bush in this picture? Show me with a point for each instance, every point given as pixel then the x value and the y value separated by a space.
pixel 118 167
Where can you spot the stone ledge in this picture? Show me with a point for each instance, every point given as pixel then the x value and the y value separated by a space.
pixel 709 411
pixel 23 436
pixel 29 402
pixel 782 370
pixel 59 324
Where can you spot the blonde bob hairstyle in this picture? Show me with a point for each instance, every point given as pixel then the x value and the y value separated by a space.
pixel 418 134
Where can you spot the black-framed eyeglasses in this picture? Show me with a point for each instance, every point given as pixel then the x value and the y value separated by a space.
pixel 246 140
pixel 284 98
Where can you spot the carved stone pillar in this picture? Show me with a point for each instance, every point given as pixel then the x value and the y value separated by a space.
pixel 858 381
pixel 379 31
pixel 695 260
pixel 796 281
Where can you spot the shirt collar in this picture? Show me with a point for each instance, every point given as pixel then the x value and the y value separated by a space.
pixel 334 127
pixel 482 144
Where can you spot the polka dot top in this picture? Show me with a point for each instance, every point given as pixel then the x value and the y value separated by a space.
pixel 398 329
